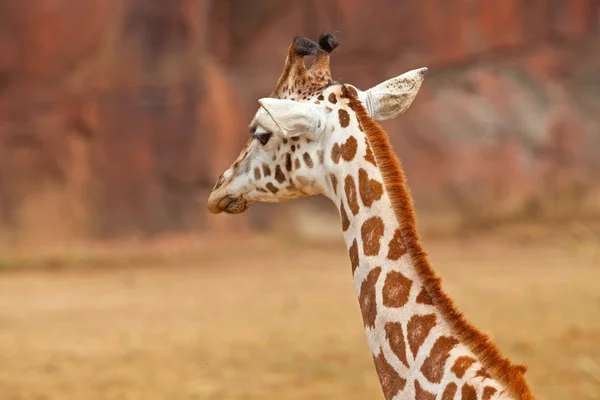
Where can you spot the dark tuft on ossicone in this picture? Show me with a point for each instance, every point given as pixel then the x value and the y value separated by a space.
pixel 305 47
pixel 328 42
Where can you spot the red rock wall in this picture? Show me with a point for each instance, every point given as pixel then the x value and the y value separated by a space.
pixel 113 114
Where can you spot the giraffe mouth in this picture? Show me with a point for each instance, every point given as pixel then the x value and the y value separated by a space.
pixel 229 205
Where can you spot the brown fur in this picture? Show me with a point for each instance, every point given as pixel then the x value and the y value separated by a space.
pixel 422 394
pixel 461 365
pixel 434 364
pixel 366 299
pixel 369 189
pixel 396 290
pixel 450 391
pixel 417 329
pixel 390 381
pixel 395 336
pixel 500 368
pixel 468 393
pixel 371 233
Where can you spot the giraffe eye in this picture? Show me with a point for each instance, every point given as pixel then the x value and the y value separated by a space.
pixel 262 137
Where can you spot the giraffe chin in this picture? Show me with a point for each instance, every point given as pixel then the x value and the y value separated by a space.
pixel 235 205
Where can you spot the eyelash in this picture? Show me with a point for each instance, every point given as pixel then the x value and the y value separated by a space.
pixel 263 137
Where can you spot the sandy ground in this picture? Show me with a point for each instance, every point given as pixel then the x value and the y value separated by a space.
pixel 272 320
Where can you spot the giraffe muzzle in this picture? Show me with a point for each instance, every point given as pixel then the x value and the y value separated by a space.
pixel 229 204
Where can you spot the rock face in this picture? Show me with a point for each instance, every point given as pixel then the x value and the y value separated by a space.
pixel 114 114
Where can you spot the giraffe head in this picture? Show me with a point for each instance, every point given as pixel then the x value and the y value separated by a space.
pixel 302 127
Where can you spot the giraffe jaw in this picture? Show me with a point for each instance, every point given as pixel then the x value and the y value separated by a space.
pixel 228 204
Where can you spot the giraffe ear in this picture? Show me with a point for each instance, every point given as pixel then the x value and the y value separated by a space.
pixel 294 118
pixel 392 97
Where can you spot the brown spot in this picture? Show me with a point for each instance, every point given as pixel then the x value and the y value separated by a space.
pixel 468 393
pixel 307 160
pixel 349 149
pixel 288 162
pixel 296 138
pixel 256 173
pixel 293 148
pixel 353 251
pixel 417 330
pixel 284 141
pixel 262 190
pixel 395 336
pixel 266 170
pixel 450 391
pixel 370 190
pixel 433 366
pixel 336 153
pixel 396 289
pixel 348 92
pixel 371 232
pixel 482 374
pixel 366 298
pixel 461 365
pixel 396 246
pixel 321 156
pixel 333 183
pixel 350 189
pixel 391 382
pixel 369 156
pixel 424 298
pixel 422 394
pixel 332 98
pixel 488 392
pixel 272 188
pixel 279 176
pixel 297 163
pixel 321 97
pixel 344 118
pixel 345 220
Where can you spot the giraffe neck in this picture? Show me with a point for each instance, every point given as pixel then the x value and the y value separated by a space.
pixel 417 348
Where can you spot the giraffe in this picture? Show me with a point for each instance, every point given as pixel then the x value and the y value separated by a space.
pixel 313 136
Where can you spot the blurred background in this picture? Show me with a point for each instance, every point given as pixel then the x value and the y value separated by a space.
pixel 117 117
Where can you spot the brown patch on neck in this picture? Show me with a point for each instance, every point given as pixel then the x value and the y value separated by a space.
pixel 500 368
pixel 423 297
pixel 434 364
pixel 391 381
pixel 468 392
pixel 350 190
pixel 353 252
pixel 417 329
pixel 371 232
pixel 344 216
pixel 396 290
pixel 348 149
pixel 461 365
pixel 450 391
pixel 367 297
pixel 422 394
pixel 395 337
pixel 396 247
pixel 488 392
pixel 370 190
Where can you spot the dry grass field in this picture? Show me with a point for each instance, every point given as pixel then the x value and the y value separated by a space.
pixel 261 319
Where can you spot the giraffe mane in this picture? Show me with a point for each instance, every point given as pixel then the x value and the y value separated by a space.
pixel 499 367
